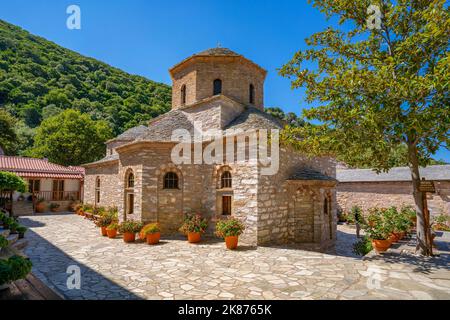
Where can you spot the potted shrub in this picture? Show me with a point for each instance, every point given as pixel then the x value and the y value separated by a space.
pixel 129 229
pixel 230 230
pixel 3 243
pixel 111 230
pixel 152 233
pixel 54 207
pixel 378 231
pixel 193 226
pixel 103 222
pixel 440 223
pixel 12 269
pixel 40 205
pixel 21 231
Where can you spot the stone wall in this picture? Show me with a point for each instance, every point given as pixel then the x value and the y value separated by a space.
pixel 236 74
pixel 385 194
pixel 109 185
pixel 285 207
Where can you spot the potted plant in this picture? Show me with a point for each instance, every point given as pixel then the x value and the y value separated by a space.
pixel 152 233
pixel 440 223
pixel 12 269
pixel 103 222
pixel 21 231
pixel 40 205
pixel 111 230
pixel 230 230
pixel 378 232
pixel 193 226
pixel 54 207
pixel 3 243
pixel 129 229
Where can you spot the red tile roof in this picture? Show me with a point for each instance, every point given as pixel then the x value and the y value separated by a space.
pixel 38 168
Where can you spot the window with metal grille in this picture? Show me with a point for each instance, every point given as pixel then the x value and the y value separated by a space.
pixel 226 181
pixel 130 180
pixel 171 180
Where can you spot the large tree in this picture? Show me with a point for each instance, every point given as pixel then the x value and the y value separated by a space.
pixel 380 82
pixel 71 138
pixel 8 136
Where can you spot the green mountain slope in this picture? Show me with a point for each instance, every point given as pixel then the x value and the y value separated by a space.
pixel 38 79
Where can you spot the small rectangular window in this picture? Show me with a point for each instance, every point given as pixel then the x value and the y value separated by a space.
pixel 130 203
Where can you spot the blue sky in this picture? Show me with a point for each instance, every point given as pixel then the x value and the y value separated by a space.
pixel 147 37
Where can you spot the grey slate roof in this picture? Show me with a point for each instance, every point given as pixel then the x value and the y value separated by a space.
pixel 108 158
pixel 441 172
pixel 217 52
pixel 253 118
pixel 310 174
pixel 161 128
pixel 132 133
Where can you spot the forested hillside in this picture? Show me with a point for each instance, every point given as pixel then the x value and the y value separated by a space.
pixel 39 79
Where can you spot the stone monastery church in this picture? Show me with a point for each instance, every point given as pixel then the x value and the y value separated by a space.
pixel 222 90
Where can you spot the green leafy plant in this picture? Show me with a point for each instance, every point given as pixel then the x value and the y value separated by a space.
pixel 14 268
pixel 363 246
pixel 3 242
pixel 378 226
pixel 229 227
pixel 151 228
pixel 357 213
pixel 130 226
pixel 54 206
pixel 113 226
pixel 440 223
pixel 105 220
pixel 12 182
pixel 193 223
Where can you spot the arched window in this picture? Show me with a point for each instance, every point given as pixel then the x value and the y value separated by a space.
pixel 97 190
pixel 252 94
pixel 171 180
pixel 217 87
pixel 130 180
pixel 183 94
pixel 226 181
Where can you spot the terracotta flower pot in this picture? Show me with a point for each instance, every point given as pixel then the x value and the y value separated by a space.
pixel 40 207
pixel 129 237
pixel 381 245
pixel 153 238
pixel 393 238
pixel 111 233
pixel 232 242
pixel 104 233
pixel 194 237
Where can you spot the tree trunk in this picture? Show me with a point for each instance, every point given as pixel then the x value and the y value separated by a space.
pixel 422 229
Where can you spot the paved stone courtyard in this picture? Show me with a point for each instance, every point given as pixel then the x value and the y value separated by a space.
pixel 111 269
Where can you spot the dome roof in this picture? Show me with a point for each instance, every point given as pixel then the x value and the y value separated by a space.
pixel 215 52
pixel 218 52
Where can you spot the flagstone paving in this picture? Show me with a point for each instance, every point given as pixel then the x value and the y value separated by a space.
pixel 111 269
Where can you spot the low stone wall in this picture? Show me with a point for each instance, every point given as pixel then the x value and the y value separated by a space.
pixel 386 194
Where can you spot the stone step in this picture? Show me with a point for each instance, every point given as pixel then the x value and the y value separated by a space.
pixel 4 232
pixel 20 244
pixel 12 238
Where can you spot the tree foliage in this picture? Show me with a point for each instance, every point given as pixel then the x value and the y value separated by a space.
pixel 377 89
pixel 71 138
pixel 8 136
pixel 38 77
pixel 290 118
pixel 12 182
